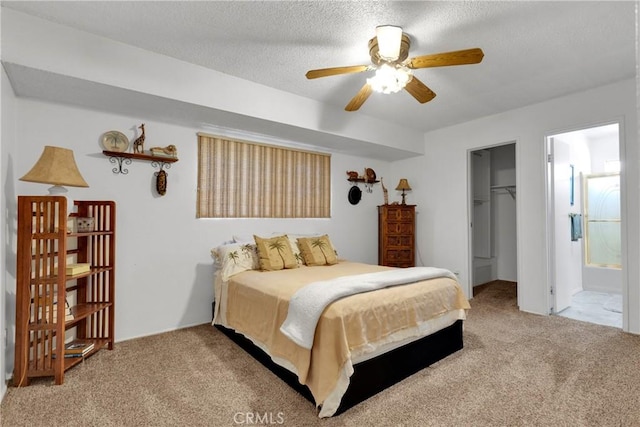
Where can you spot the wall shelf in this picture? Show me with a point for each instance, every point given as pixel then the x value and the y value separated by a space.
pixel 160 162
pixel 366 181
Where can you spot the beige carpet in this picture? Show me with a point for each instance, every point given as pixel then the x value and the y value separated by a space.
pixel 516 369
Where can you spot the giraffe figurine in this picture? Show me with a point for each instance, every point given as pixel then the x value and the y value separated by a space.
pixel 138 144
pixel 385 192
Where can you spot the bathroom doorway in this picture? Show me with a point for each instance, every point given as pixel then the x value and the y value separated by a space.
pixel 584 217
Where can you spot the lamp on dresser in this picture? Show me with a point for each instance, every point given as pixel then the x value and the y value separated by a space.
pixel 403 186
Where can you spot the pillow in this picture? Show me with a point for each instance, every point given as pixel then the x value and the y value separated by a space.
pixel 235 258
pixel 317 250
pixel 275 253
pixel 293 241
pixel 293 238
pixel 244 238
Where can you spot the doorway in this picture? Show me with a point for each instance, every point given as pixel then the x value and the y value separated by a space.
pixel 584 217
pixel 493 195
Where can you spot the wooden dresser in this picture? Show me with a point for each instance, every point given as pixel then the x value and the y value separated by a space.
pixel 396 235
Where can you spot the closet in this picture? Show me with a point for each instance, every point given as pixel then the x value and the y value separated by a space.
pixel 493 182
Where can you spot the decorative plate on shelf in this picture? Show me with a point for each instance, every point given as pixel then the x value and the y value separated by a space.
pixel 370 174
pixel 115 141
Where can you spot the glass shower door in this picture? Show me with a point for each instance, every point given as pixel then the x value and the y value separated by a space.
pixel 602 214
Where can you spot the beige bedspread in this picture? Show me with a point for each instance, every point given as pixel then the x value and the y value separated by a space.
pixel 255 303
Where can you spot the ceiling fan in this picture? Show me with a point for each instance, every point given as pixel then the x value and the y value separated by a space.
pixel 389 51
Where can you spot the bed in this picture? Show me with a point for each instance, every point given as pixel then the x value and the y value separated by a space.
pixel 362 342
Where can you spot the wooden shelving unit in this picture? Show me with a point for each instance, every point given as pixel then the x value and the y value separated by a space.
pixel 47 242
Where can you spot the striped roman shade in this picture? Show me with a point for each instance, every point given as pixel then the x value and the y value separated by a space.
pixel 238 179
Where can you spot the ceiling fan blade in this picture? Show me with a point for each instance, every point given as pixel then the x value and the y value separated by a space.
pixel 357 101
pixel 419 90
pixel 325 72
pixel 458 57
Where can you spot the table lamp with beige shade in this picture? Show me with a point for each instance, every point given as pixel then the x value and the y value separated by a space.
pixel 56 166
pixel 403 186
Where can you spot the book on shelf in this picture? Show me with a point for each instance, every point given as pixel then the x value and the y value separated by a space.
pixel 67 356
pixel 76 348
pixel 77 268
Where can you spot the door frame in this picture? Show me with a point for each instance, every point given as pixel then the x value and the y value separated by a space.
pixel 470 152
pixel 550 207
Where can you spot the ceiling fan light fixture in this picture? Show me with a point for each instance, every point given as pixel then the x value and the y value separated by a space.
pixel 389 52
pixel 390 78
pixel 389 38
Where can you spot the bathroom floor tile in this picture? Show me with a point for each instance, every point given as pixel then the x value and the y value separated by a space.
pixel 595 307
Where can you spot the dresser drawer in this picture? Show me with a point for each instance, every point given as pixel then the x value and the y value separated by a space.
pixel 399 228
pixel 405 241
pixel 399 214
pixel 399 255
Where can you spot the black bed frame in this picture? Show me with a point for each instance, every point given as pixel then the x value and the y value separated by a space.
pixel 373 375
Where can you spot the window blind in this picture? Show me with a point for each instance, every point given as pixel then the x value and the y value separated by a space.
pixel 239 179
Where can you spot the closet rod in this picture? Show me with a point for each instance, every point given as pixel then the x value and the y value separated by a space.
pixel 511 189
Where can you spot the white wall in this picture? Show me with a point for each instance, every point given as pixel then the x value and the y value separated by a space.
pixel 440 188
pixel 164 267
pixel 602 149
pixel 6 139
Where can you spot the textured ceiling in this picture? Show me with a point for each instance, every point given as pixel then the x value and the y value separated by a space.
pixel 533 50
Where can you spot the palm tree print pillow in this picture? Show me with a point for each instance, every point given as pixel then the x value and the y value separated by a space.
pixel 235 258
pixel 275 253
pixel 317 250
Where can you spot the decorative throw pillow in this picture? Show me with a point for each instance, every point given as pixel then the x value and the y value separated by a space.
pixel 317 250
pixel 235 258
pixel 293 241
pixel 275 253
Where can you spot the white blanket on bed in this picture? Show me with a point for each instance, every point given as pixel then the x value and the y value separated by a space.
pixel 308 303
